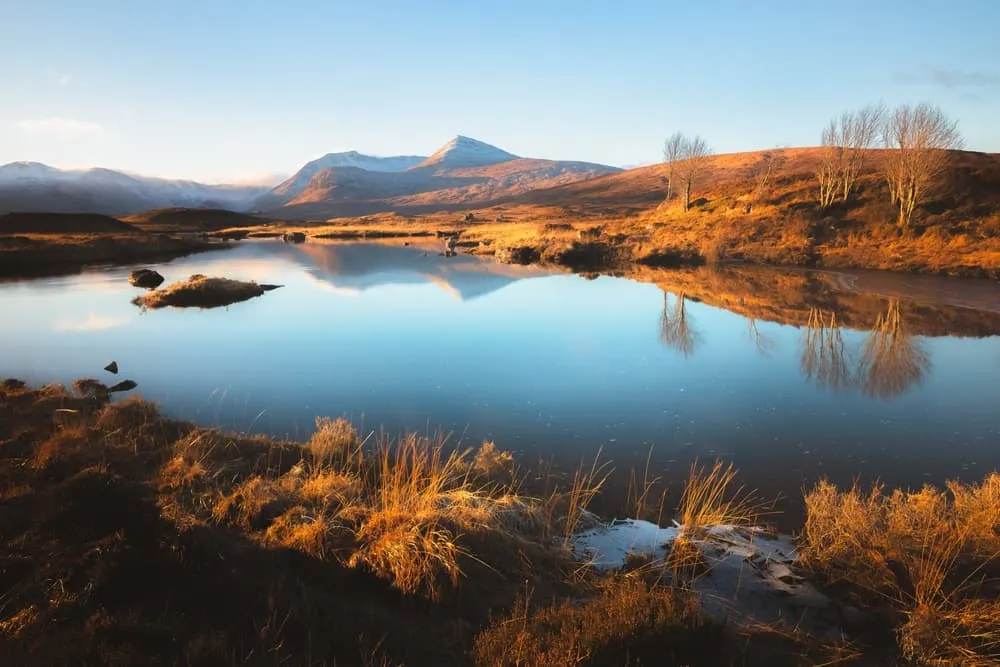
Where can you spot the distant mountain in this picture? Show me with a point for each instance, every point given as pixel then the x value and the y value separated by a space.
pixel 32 186
pixel 463 152
pixel 299 182
pixel 462 173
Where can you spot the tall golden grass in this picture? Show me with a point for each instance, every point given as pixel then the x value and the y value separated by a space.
pixel 930 554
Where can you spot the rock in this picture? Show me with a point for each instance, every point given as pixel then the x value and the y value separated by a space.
pixel 145 278
pixel 112 368
pixel 293 237
pixel 124 385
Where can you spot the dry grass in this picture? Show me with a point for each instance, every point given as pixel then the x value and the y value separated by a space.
pixel 931 555
pixel 202 292
pixel 139 535
pixel 711 498
pixel 413 511
pixel 628 623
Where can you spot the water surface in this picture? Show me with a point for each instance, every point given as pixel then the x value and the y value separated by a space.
pixel 793 375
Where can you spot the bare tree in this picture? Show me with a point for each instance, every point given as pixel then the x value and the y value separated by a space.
pixel 859 132
pixel 828 171
pixel 675 326
pixel 845 142
pixel 761 174
pixel 671 155
pixel 694 158
pixel 918 138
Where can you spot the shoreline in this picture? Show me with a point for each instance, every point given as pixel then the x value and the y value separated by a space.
pixel 223 525
pixel 42 255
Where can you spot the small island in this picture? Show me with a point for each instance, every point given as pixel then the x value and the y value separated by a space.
pixel 200 291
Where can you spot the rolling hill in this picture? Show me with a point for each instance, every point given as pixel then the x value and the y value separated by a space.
pixel 973 182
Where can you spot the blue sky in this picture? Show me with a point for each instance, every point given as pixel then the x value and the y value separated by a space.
pixel 224 90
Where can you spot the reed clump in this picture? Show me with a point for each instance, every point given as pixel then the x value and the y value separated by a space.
pixel 931 556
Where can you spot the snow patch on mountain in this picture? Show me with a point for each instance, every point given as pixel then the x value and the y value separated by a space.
pixel 466 152
pixel 299 182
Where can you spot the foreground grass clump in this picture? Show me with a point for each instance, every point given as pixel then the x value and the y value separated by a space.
pixel 412 512
pixel 629 622
pixel 202 292
pixel 128 538
pixel 931 555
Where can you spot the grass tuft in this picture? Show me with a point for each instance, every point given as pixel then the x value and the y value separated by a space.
pixel 930 555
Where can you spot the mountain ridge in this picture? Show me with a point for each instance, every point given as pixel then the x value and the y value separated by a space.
pixel 462 172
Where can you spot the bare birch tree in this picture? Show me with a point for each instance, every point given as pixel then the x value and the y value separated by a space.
pixel 859 131
pixel 671 154
pixel 694 158
pixel 845 143
pixel 761 173
pixel 919 138
pixel 830 161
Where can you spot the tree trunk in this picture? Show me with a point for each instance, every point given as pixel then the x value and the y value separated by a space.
pixel 687 195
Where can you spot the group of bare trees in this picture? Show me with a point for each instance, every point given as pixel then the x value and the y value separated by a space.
pixel 846 141
pixel 916 139
pixel 685 158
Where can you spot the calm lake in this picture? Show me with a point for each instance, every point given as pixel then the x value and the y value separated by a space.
pixel 792 375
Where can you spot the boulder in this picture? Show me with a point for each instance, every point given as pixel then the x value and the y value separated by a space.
pixel 145 278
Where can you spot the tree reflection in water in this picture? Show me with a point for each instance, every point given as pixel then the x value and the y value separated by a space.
pixel 763 344
pixel 892 361
pixel 824 357
pixel 676 330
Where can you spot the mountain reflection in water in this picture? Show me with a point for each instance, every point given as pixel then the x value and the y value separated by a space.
pixel 790 374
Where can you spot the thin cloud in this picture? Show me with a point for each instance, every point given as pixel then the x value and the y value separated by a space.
pixel 951 79
pixel 64 80
pixel 62 128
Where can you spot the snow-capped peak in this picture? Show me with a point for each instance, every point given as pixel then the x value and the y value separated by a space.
pixel 467 152
pixel 299 181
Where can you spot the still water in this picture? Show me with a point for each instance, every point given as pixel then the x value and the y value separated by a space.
pixel 792 375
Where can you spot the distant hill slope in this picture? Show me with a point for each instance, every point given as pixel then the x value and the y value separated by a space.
pixel 973 182
pixel 191 219
pixel 464 173
pixel 62 223
pixel 31 186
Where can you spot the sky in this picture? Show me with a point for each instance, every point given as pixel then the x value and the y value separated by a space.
pixel 241 90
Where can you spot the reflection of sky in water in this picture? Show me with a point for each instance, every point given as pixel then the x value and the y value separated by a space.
pixel 548 364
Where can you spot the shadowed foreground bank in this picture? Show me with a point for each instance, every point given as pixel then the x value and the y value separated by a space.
pixel 129 538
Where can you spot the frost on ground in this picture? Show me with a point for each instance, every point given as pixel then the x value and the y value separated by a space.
pixel 750 576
